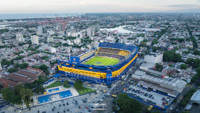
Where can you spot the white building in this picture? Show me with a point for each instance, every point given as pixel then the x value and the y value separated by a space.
pixel 40 30
pixel 110 39
pixel 154 58
pixel 50 32
pixel 90 32
pixel 77 41
pixel 69 42
pixel 140 39
pixel 35 40
pixel 49 39
pixel 52 50
pixel 19 37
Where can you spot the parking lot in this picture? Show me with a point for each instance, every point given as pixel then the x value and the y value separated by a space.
pixel 80 104
pixel 149 96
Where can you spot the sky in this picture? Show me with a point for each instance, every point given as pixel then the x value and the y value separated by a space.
pixel 97 6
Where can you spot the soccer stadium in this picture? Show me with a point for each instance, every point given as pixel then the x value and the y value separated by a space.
pixel 104 64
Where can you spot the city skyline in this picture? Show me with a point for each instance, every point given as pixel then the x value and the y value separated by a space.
pixel 93 6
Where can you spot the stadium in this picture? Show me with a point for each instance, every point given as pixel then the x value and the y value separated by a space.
pixel 105 64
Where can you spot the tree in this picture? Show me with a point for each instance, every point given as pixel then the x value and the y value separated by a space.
pixel 66 83
pixel 180 40
pixel 11 70
pixel 6 62
pixel 154 49
pixel 26 96
pixel 23 65
pixel 16 65
pixel 8 94
pixel 171 56
pixel 193 62
pixel 44 68
pixel 143 44
pixel 196 52
pixel 40 89
pixel 159 67
pixel 17 98
pixel 127 104
pixel 186 97
pixel 155 41
pixel 78 84
pixel 183 66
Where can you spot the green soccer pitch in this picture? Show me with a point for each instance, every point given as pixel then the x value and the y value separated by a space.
pixel 102 61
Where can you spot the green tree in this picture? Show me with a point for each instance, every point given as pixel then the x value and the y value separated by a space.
pixel 78 84
pixel 154 49
pixel 143 44
pixel 171 56
pixel 127 104
pixel 155 41
pixel 16 65
pixel 44 68
pixel 186 97
pixel 66 83
pixel 26 96
pixel 183 66
pixel 12 70
pixel 159 67
pixel 8 94
pixel 193 62
pixel 196 52
pixel 6 62
pixel 23 65
pixel 40 89
pixel 17 98
pixel 180 40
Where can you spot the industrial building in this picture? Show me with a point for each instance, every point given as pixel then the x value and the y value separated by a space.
pixel 22 76
pixel 165 85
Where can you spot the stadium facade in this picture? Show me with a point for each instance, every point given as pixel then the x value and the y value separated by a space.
pixel 77 66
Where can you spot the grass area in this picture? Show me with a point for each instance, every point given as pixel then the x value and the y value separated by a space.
pixel 85 90
pixel 104 61
pixel 55 84
pixel 67 86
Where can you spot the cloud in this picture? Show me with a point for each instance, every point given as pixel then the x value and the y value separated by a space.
pixel 184 5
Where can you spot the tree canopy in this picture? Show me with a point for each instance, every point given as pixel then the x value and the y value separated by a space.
pixel 26 95
pixel 171 56
pixel 183 66
pixel 17 95
pixel 127 104
pixel 155 41
pixel 78 84
pixel 8 95
pixel 159 67
pixel 44 68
